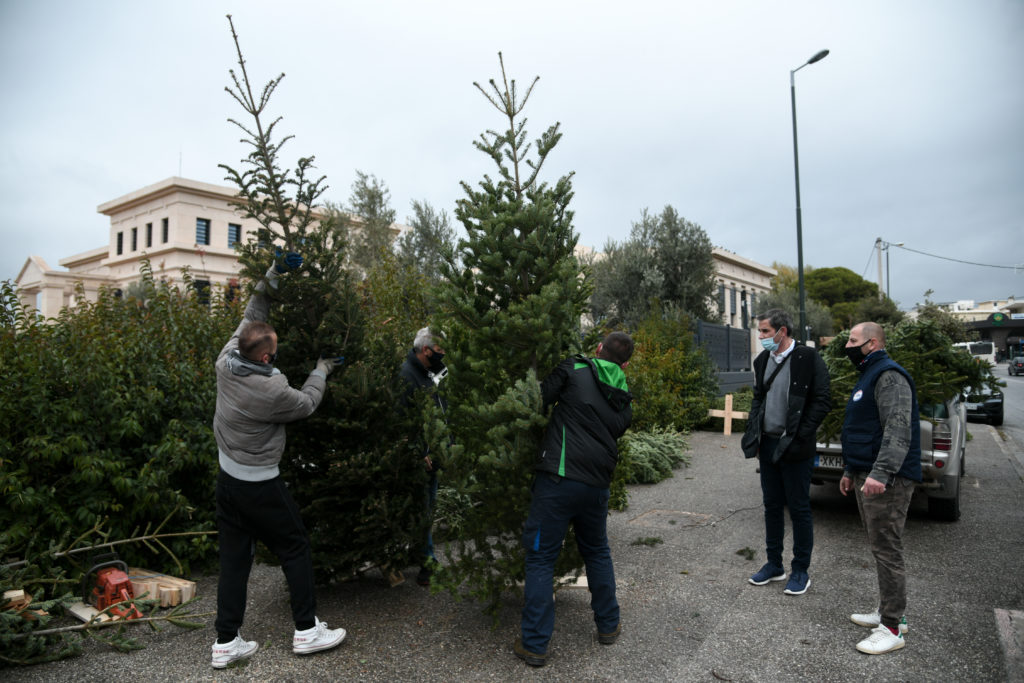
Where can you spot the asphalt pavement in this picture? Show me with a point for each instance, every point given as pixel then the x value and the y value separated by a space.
pixel 688 612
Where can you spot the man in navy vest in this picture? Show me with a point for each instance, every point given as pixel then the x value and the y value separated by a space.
pixel 882 451
pixel 791 398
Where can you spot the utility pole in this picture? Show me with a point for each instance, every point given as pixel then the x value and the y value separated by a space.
pixel 878 246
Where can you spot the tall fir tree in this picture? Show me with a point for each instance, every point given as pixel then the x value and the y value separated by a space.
pixel 370 202
pixel 350 464
pixel 512 311
pixel 430 242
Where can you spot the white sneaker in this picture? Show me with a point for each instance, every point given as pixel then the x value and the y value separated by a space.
pixel 881 641
pixel 232 652
pixel 874 619
pixel 317 638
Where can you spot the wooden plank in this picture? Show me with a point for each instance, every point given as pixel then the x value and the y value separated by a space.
pixel 86 612
pixel 168 590
pixel 728 415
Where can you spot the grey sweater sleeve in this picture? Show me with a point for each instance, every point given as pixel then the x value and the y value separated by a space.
pixel 892 394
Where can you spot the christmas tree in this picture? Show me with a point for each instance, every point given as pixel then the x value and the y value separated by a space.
pixel 511 312
pixel 351 465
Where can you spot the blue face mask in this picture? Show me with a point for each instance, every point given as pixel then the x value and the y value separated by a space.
pixel 769 344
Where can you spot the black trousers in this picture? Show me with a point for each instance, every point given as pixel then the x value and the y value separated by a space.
pixel 250 511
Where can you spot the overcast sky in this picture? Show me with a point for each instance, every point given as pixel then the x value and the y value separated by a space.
pixel 911 130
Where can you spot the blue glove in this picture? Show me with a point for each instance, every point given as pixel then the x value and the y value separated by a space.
pixel 286 261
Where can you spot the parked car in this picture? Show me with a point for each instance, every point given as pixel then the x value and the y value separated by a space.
pixel 1015 366
pixel 943 456
pixel 985 406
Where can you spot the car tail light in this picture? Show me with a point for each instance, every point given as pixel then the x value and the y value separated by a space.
pixel 939 464
pixel 942 437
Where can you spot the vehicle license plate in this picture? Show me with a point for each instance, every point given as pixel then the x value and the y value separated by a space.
pixel 832 462
pixel 973 406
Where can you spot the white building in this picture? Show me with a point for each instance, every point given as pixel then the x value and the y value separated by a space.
pixel 176 223
pixel 741 282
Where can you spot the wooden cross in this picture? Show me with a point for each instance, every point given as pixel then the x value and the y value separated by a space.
pixel 728 414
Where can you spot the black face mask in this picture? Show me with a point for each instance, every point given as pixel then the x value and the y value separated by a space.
pixel 856 354
pixel 436 361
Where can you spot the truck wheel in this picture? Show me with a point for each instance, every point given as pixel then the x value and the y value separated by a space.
pixel 946 509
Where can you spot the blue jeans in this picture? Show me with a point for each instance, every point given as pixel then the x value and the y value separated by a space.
pixel 786 484
pixel 556 502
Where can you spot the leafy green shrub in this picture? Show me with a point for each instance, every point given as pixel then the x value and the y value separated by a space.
pixel 105 421
pixel 673 381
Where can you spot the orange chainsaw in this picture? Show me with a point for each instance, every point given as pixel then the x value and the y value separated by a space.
pixel 107 585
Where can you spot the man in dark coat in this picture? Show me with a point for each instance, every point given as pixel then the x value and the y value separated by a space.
pixel 574 473
pixel 422 370
pixel 791 398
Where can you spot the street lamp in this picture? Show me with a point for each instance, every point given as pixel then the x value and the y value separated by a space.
pixel 881 245
pixel 799 227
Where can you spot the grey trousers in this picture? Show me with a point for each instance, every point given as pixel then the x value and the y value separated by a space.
pixel 884 516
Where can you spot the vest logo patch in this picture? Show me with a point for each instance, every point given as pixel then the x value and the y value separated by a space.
pixel 858 395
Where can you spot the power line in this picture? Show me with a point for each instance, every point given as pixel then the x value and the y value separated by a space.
pixel 946 258
pixel 868 264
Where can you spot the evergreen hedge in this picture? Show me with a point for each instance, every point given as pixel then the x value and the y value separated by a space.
pixel 105 422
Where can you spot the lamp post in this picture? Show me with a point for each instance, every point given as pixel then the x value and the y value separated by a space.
pixel 799 227
pixel 881 245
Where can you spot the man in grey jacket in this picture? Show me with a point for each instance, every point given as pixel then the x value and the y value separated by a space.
pixel 254 401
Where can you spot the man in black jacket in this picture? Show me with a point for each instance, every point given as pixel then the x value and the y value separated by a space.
pixel 791 398
pixel 422 370
pixel 592 410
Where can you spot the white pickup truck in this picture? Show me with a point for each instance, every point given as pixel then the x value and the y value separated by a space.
pixel 943 450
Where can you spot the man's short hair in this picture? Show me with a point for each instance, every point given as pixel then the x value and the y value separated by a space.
pixel 778 319
pixel 425 339
pixel 873 331
pixel 617 347
pixel 256 339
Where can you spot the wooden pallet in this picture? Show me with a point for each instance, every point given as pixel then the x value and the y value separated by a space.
pixel 169 590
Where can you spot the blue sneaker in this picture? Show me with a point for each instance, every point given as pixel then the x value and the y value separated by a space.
pixel 798 584
pixel 768 573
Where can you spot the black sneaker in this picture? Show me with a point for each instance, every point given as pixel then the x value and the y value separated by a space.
pixel 423 578
pixel 610 638
pixel 531 658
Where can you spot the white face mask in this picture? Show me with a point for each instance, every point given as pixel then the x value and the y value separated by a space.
pixel 769 343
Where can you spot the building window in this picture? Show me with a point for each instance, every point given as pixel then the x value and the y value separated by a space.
pixel 165 228
pixel 745 311
pixel 732 305
pixel 234 234
pixel 135 239
pixel 120 243
pixel 149 235
pixel 721 300
pixel 202 231
pixel 202 288
pixel 231 295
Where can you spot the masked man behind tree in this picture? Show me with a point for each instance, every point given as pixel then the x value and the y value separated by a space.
pixel 423 365
pixel 254 401
pixel 791 398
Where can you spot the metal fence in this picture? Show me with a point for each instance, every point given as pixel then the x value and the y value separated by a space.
pixel 729 347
